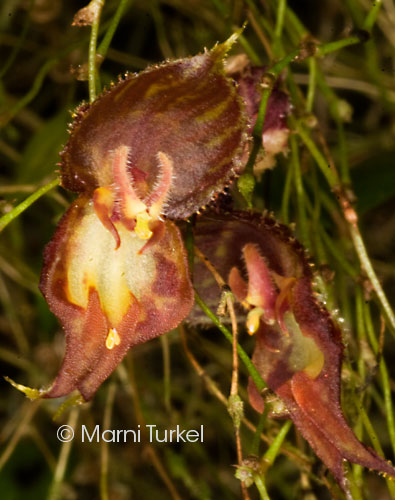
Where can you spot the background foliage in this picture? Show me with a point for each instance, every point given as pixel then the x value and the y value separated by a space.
pixel 344 102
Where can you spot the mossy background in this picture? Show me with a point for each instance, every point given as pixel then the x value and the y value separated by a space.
pixel 352 118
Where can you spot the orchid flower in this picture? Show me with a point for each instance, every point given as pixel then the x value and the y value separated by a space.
pixel 299 345
pixel 158 145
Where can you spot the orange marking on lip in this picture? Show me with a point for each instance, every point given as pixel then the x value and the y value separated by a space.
pixel 112 339
pixel 103 202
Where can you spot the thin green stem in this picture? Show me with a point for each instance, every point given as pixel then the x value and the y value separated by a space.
pixel 277 44
pixel 371 432
pixel 367 266
pixel 315 210
pixel 281 8
pixel 16 211
pixel 311 86
pixel 253 372
pixel 385 380
pixel 300 193
pixel 327 48
pixel 273 73
pixel 353 7
pixel 388 404
pixel 294 90
pixel 377 446
pixel 344 169
pixel 257 131
pixel 55 490
pixel 283 63
pixel 261 487
pixel 338 255
pixel 286 196
pixel 273 450
pixel 360 328
pixel 257 436
pixel 355 478
pixel 359 397
pixel 269 458
pixel 335 104
pixel 372 15
pixel 96 6
pixel 329 173
pixel 106 42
